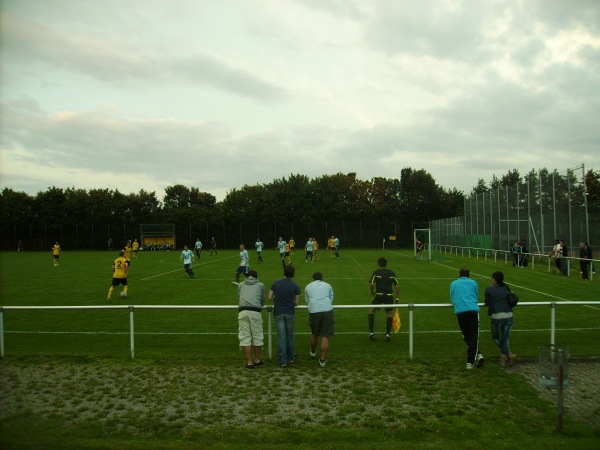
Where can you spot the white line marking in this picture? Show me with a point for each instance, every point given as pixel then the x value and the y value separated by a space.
pixel 178 270
pixel 356 261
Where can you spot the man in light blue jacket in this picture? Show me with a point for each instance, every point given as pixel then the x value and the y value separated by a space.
pixel 464 294
pixel 319 299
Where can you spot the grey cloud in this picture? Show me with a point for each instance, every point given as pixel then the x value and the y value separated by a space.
pixel 129 67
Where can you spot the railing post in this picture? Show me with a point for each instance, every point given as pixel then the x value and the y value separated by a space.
pixel 131 339
pixel 411 343
pixel 1 332
pixel 553 323
pixel 270 333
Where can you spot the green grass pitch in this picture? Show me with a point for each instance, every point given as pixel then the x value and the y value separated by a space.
pixel 67 380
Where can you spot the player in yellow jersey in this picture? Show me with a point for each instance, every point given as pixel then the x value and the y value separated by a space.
pixel 315 249
pixel 331 246
pixel 128 250
pixel 56 253
pixel 292 245
pixel 135 246
pixel 120 272
pixel 287 252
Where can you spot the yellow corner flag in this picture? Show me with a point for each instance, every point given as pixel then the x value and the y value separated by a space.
pixel 396 321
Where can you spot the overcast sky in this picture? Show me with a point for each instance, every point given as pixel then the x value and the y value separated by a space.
pixel 221 93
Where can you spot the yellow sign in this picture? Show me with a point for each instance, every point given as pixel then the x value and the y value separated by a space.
pixel 392 238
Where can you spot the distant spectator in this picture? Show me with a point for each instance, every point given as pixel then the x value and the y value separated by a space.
pixel 319 299
pixel 524 254
pixel 20 246
pixel 502 317
pixel 556 253
pixel 585 253
pixel 251 297
pixel 464 294
pixel 564 254
pixel 516 251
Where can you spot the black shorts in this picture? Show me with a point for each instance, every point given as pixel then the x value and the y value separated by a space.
pixel 383 299
pixel 321 323
pixel 287 253
pixel 118 281
pixel 56 256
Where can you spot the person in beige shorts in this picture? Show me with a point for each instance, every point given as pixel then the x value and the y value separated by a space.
pixel 251 295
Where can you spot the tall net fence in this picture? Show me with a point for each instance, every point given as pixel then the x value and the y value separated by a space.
pixel 542 208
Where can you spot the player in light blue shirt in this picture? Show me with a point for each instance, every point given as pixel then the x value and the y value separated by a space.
pixel 336 242
pixel 281 245
pixel 244 264
pixel 187 256
pixel 259 248
pixel 309 249
pixel 198 247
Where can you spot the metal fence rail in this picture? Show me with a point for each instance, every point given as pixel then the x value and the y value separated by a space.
pixel 411 308
pixel 486 253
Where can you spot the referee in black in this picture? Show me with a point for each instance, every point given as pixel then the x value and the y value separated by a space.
pixel 382 284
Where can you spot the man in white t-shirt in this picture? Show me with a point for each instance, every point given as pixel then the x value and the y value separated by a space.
pixel 259 248
pixel 244 264
pixel 187 256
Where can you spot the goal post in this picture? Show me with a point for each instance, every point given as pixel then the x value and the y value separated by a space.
pixel 422 243
pixel 157 236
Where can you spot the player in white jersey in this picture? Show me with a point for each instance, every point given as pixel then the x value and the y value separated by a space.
pixel 309 250
pixel 187 256
pixel 259 248
pixel 281 246
pixel 244 264
pixel 198 247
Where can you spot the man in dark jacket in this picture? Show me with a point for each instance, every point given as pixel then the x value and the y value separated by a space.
pixel 502 317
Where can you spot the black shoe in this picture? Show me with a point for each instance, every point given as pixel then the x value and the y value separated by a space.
pixel 259 363
pixel 249 366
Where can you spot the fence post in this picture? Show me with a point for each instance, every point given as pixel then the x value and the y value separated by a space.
pixel 1 332
pixel 131 340
pixel 270 333
pixel 553 323
pixel 411 343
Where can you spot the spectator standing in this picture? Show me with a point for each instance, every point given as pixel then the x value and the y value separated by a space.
pixel 524 253
pixel 319 299
pixel 213 246
pixel 564 255
pixel 556 253
pixel 285 293
pixel 502 317
pixel 585 253
pixel 20 246
pixel 251 298
pixel 464 294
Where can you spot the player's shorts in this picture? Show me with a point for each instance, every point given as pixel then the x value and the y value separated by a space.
pixel 250 328
pixel 287 253
pixel 242 269
pixel 383 299
pixel 118 281
pixel 321 323
pixel 56 256
pixel 135 252
pixel 331 248
pixel 282 255
pixel 128 263
pixel 187 266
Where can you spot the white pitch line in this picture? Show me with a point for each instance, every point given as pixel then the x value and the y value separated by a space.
pixel 207 333
pixel 197 264
pixel 356 261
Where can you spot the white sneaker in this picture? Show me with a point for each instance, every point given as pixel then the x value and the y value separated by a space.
pixel 322 362
pixel 470 366
pixel 313 355
pixel 479 360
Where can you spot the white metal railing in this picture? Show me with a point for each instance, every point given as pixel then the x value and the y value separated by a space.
pixel 411 307
pixel 508 255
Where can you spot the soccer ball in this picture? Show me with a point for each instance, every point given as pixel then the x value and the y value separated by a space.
pixel 123 294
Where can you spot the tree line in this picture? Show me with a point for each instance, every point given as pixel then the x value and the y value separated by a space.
pixel 412 198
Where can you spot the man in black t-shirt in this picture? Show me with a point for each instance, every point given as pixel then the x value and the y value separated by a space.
pixel 382 285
